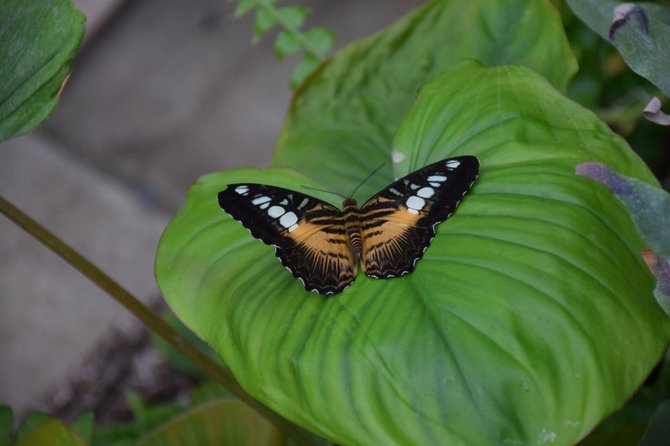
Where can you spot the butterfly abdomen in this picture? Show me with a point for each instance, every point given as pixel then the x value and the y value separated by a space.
pixel 352 224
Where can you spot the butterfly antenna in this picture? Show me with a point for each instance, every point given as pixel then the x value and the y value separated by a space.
pixel 366 179
pixel 323 190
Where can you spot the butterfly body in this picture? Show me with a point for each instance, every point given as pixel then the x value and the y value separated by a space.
pixel 323 246
pixel 352 225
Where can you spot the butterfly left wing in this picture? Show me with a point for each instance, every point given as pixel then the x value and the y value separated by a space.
pixel 308 234
pixel 398 223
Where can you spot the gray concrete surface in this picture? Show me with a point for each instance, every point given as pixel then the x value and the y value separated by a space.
pixel 165 92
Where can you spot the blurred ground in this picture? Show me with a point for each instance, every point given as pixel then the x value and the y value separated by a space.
pixel 163 91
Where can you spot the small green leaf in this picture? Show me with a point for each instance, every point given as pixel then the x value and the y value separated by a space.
pixel 303 70
pixel 6 419
pixel 38 39
pixel 264 22
pixel 286 43
pixel 219 422
pixel 244 6
pixel 136 404
pixel 642 36
pixel 53 433
pixel 293 16
pixel 320 40
pixel 658 432
pixel 83 426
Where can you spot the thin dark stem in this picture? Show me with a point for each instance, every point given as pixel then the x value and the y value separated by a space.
pixel 148 317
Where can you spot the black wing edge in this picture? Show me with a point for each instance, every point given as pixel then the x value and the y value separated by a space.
pixel 244 212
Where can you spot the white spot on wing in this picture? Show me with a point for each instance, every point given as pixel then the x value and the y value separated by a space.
pixel 264 205
pixel 415 202
pixel 412 211
pixel 260 200
pixel 437 178
pixel 426 192
pixel 284 202
pixel 292 228
pixel 276 211
pixel 395 192
pixel 303 203
pixel 288 220
pixel 242 190
pixel 452 164
pixel 414 186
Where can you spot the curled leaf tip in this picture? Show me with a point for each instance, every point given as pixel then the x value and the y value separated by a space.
pixel 62 86
pixel 606 175
pixel 660 268
pixel 622 13
pixel 652 112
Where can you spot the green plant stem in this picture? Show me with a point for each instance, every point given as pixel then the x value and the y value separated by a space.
pixel 295 32
pixel 148 317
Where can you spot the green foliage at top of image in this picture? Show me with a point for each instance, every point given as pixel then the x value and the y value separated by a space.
pixel 314 42
pixel 531 316
pixel 38 39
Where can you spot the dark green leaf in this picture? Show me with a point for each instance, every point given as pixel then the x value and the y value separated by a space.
pixel 658 433
pixel 286 44
pixel 342 121
pixel 293 16
pixel 621 435
pixel 38 39
pixel 264 22
pixel 219 422
pixel 150 417
pixel 83 426
pixel 6 419
pixel 209 391
pixel 532 293
pixel 642 36
pixel 244 6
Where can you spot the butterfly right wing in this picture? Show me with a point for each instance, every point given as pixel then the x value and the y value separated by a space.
pixel 308 234
pixel 398 223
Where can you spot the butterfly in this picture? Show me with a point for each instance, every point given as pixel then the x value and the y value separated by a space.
pixel 322 245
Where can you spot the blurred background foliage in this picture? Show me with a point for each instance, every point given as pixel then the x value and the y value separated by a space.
pixel 607 86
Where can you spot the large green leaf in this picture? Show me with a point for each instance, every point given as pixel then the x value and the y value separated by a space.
pixel 530 318
pixel 218 422
pixel 38 39
pixel 342 120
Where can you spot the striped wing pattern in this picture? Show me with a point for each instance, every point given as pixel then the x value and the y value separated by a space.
pixel 321 244
pixel 308 234
pixel 398 223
